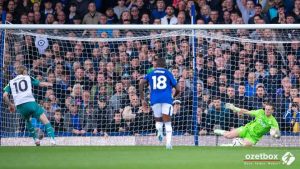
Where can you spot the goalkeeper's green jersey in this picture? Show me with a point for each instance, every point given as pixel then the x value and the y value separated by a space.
pixel 150 70
pixel 261 124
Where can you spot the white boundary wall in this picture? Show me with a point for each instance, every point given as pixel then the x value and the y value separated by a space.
pixel 285 141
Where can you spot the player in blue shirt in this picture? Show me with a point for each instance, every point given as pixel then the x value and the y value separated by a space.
pixel 161 83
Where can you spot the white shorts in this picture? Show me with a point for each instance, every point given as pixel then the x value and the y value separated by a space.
pixel 162 108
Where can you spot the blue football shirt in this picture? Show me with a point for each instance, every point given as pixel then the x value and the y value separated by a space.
pixel 161 83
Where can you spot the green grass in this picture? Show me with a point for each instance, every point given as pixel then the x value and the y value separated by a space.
pixel 138 157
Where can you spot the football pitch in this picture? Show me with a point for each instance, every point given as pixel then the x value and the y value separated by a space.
pixel 144 157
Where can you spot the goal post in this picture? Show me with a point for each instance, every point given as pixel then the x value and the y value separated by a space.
pixel 95 70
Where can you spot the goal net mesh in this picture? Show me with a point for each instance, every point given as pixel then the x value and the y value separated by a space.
pixel 95 75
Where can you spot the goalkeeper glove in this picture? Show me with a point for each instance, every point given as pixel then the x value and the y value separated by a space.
pixel 275 133
pixel 232 107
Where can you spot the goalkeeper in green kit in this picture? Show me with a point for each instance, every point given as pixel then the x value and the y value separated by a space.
pixel 252 132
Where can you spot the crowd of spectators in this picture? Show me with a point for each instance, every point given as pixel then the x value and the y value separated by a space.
pixel 150 11
pixel 95 83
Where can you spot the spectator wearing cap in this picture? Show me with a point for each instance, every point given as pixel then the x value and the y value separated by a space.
pixel 180 121
pixel 159 11
pixel 169 18
pixel 92 17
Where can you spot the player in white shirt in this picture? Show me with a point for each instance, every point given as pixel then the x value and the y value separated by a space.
pixel 21 90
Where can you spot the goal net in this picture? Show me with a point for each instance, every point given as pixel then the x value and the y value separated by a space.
pixel 95 73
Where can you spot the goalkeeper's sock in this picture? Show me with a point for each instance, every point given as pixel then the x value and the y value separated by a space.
pixel 168 128
pixel 219 132
pixel 31 130
pixel 50 130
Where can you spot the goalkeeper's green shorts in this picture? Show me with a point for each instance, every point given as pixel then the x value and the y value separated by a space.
pixel 245 134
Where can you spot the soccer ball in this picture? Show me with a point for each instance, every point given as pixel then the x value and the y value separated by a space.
pixel 237 142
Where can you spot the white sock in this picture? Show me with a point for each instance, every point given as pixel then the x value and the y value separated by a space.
pixel 159 126
pixel 168 128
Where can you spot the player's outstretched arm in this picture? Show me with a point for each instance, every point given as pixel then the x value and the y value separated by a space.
pixel 45 84
pixel 236 109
